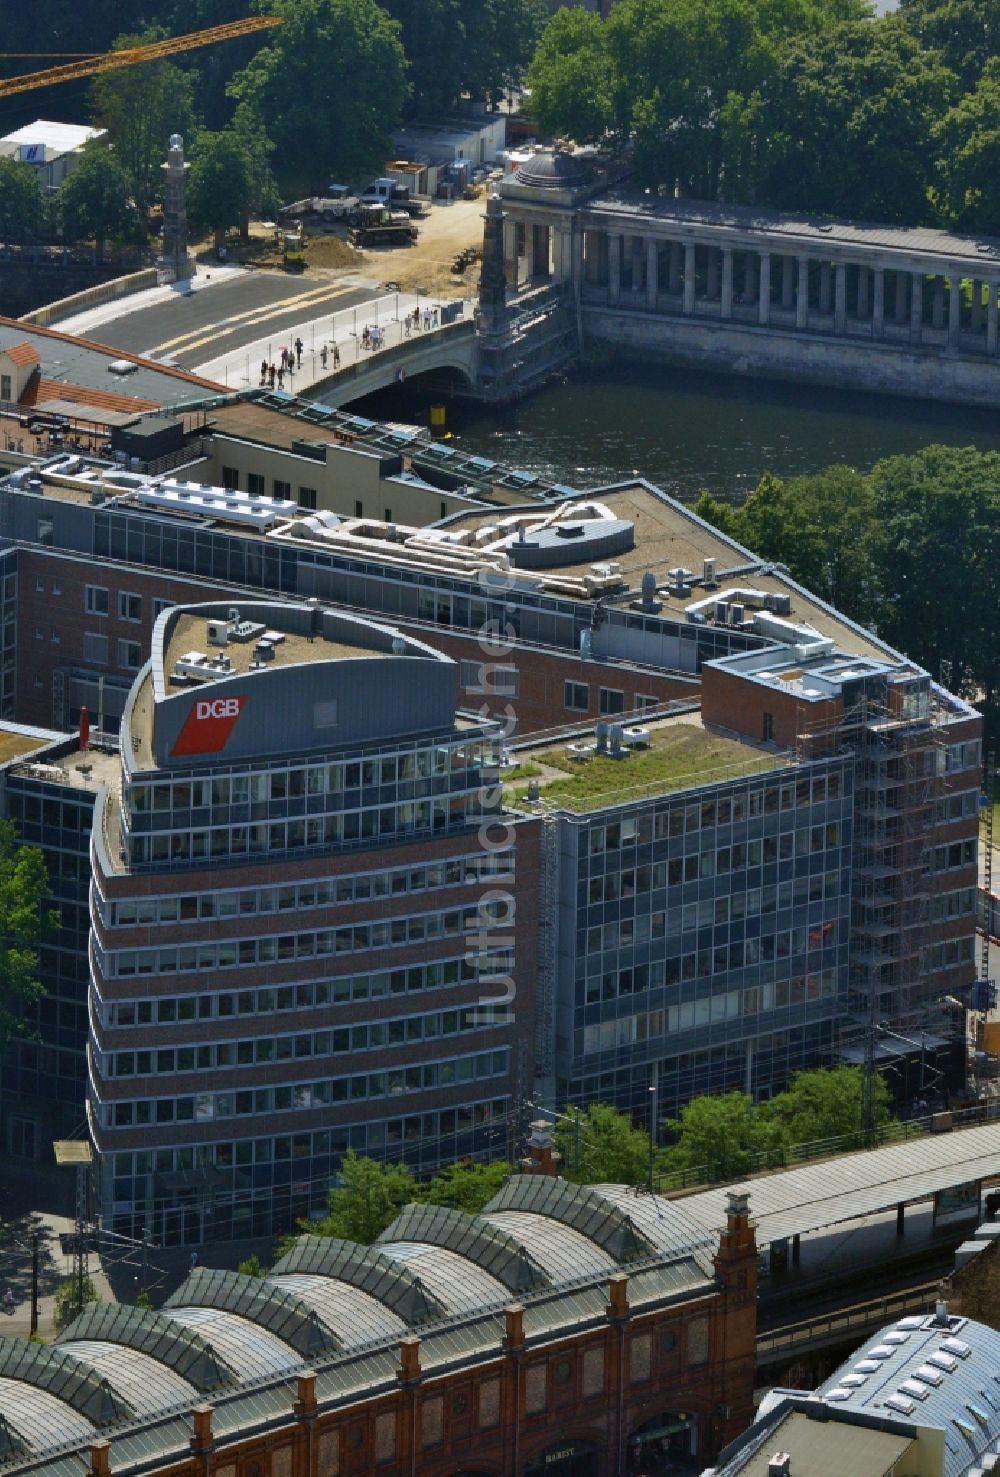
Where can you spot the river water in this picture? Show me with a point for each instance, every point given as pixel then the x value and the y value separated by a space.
pixel 689 431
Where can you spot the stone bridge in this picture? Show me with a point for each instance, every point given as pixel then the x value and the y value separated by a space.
pixel 448 354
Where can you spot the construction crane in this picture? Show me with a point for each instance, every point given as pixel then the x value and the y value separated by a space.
pixel 113 61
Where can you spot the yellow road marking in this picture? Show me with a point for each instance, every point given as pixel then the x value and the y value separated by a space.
pixel 269 310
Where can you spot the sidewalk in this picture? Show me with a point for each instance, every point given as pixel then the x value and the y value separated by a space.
pixel 240 369
pixel 53 1269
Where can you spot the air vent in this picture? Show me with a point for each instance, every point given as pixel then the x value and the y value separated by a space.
pixel 122 367
pixel 838 1394
pixel 942 1360
pixel 912 1387
pixel 867 1366
pixel 902 1403
pixel 928 1375
pixel 895 1338
pixel 958 1347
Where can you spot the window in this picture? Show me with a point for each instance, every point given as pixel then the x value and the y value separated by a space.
pixel 643 700
pixel 388 515
pixel 612 700
pixel 130 655
pixel 231 478
pixel 488 677
pixel 129 606
pixel 577 697
pixel 255 484
pixel 282 489
pixel 39 587
pixel 97 600
pixel 307 497
pixel 159 606
pixel 95 647
pixel 358 511
pixel 767 732
pixel 5 387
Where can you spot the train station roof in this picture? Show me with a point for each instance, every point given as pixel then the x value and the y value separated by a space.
pixel 828 1192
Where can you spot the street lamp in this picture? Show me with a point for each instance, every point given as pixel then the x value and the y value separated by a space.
pixel 652 1131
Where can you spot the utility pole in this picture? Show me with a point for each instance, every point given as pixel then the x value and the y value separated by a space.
pixel 34 1282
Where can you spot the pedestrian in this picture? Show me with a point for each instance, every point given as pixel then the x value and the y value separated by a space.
pixel 298 352
pixel 336 357
pixel 434 319
pixel 427 318
pixel 8 1303
pixel 281 376
pixel 263 371
pixel 284 357
pixel 271 374
pixel 322 356
pixel 407 324
pixel 416 316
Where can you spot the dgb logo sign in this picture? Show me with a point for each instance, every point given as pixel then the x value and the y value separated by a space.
pixel 208 726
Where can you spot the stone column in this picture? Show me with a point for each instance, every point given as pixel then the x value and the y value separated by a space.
pixel 689 283
pixel 726 304
pixel 916 307
pixel 840 299
pixel 900 297
pixel 825 285
pixel 674 276
pixel 614 267
pixel 652 272
pixel 802 294
pixel 937 303
pixel 749 278
pixel 787 281
pixel 712 283
pixel 991 317
pixel 764 310
pixel 976 321
pixel 878 302
pixel 864 281
pixel 954 314
pixel 638 262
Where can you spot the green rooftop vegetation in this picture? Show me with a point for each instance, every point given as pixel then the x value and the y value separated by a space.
pixel 679 756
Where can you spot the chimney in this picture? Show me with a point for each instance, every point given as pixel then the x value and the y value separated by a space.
pixel 542 1158
pixel 84 729
pixel 202 1438
pixel 100 1459
pixel 513 1339
pixel 409 1371
pixel 618 1308
pixel 941 1318
pixel 779 1465
pixel 305 1393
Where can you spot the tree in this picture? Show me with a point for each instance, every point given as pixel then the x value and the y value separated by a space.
pixel 966 33
pixel 95 200
pixel 602 1146
pixel 370 1195
pixel 571 77
pixel 24 921
pixel 141 106
pixel 466 1185
pixel 433 37
pixel 825 1103
pixel 500 36
pixel 20 201
pixel 967 144
pixel 67 1301
pixel 221 186
pixel 331 84
pixel 726 1136
pixel 252 1267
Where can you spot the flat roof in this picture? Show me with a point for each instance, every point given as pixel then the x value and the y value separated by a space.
pixel 63 138
pixel 16 741
pixel 827 1192
pixel 189 632
pixel 825 1448
pixel 799 228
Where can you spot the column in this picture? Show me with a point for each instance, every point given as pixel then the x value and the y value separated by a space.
pixel 749 278
pixel 991 317
pixel 638 262
pixel 802 294
pixel 689 277
pixel 825 284
pixel 840 299
pixel 614 267
pixel 674 278
pixel 712 275
pixel 916 307
pixel 954 314
pixel 900 297
pixel 764 310
pixel 976 321
pixel 652 272
pixel 878 302
pixel 864 281
pixel 937 303
pixel 726 304
pixel 787 281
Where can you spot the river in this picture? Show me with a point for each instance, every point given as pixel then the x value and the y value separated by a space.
pixel 689 431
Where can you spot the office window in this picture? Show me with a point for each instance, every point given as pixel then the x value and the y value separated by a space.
pixel 255 484
pixel 612 700
pixel 231 478
pixel 97 600
pixel 129 606
pixel 5 387
pixel 39 587
pixel 307 497
pixel 95 647
pixel 768 730
pixel 130 655
pixel 282 489
pixel 577 697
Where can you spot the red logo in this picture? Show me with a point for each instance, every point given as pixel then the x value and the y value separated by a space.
pixel 208 726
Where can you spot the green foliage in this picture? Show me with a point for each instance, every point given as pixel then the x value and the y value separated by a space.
pixel 369 1196
pixel 602 1146
pixel 570 76
pixel 965 32
pixel 222 188
pixel 20 201
pixel 331 85
pixel 144 1300
pixel 500 38
pixel 67 1303
pixel 466 1185
pixel 967 145
pixel 95 201
pixel 825 1103
pixel 252 1267
pixel 728 1135
pixel 24 921
pixel 141 106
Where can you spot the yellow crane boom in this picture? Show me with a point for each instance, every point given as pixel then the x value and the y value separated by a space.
pixel 112 61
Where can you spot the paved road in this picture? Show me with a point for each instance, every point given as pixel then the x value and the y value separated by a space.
pixel 222 318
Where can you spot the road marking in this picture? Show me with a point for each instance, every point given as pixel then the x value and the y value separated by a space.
pixel 267 309
pixel 278 312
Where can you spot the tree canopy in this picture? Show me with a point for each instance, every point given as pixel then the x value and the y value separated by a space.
pixel 20 201
pixel 25 919
pixel 141 107
pixel 95 200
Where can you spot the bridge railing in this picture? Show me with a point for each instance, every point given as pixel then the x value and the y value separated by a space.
pixel 830 1328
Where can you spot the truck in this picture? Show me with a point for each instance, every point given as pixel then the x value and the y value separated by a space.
pixel 379 226
pixel 390 192
pixel 327 207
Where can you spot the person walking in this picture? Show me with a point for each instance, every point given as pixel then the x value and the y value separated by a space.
pixel 8 1303
pixel 322 356
pixel 427 319
pixel 281 376
pixel 336 357
pixel 298 353
pixel 263 371
pixel 271 375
